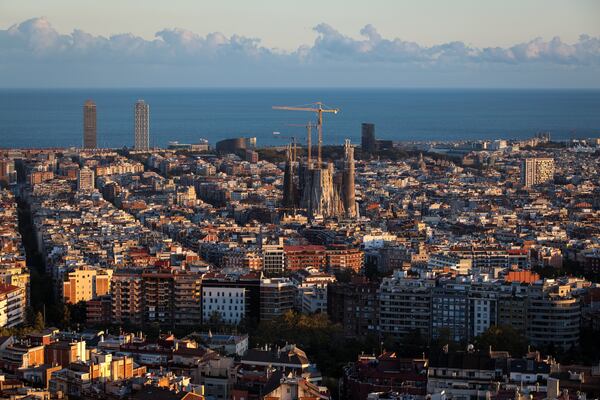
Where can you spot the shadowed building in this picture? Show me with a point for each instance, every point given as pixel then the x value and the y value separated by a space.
pixel 368 142
pixel 89 125
pixel 348 191
pixel 142 125
pixel 290 190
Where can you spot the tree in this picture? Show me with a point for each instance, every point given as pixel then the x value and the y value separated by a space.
pixel 502 338
pixel 64 315
pixel 38 322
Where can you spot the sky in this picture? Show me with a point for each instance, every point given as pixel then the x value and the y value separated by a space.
pixel 268 43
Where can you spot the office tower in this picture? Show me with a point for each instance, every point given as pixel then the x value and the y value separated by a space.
pixel 348 191
pixel 536 171
pixel 368 142
pixel 85 180
pixel 89 125
pixel 142 125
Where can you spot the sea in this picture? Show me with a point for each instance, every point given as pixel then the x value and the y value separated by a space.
pixel 53 117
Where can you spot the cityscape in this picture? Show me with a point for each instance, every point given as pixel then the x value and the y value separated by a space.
pixel 296 264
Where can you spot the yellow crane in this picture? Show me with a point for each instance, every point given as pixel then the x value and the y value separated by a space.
pixel 318 108
pixel 309 125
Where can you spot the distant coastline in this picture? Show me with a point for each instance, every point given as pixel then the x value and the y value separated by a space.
pixel 34 118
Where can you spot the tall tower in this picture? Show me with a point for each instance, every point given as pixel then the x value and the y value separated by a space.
pixel 348 191
pixel 89 125
pixel 368 143
pixel 142 126
pixel 290 192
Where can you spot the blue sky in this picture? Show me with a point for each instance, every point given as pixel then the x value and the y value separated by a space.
pixel 265 43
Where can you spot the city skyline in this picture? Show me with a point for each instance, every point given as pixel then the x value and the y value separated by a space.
pixel 340 200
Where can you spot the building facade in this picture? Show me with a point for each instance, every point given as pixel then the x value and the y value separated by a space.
pixel 142 126
pixel 536 171
pixel 89 125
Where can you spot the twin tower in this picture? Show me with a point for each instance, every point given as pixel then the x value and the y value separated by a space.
pixel 141 125
pixel 319 189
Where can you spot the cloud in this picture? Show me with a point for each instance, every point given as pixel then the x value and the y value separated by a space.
pixel 35 41
pixel 374 48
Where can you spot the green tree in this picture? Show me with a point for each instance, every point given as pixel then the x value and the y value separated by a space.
pixel 64 315
pixel 38 322
pixel 502 338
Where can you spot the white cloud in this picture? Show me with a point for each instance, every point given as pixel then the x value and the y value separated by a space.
pixel 36 41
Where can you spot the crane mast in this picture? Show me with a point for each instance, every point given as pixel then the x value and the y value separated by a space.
pixel 309 125
pixel 319 110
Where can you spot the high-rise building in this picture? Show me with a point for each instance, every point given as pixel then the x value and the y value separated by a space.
pixel 354 305
pixel 368 142
pixel 273 258
pixel 553 315
pixel 142 125
pixel 231 298
pixel 127 297
pixel 85 283
pixel 348 191
pixel 85 180
pixel 276 297
pixel 89 125
pixel 405 305
pixel 536 171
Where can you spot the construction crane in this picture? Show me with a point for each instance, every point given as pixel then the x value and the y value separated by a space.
pixel 291 146
pixel 309 125
pixel 318 108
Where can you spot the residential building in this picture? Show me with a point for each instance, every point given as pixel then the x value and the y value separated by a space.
pixel 536 171
pixel 85 180
pixel 85 283
pixel 405 306
pixel 355 305
pixel 553 315
pixel 276 297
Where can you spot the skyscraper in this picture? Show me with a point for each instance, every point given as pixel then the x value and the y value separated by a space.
pixel 348 190
pixel 368 142
pixel 535 171
pixel 142 126
pixel 89 125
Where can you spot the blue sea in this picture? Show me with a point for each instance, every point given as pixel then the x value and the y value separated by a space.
pixel 53 117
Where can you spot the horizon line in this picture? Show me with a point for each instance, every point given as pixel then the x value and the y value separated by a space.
pixel 466 88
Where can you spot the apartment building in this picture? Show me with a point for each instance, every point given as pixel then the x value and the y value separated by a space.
pixel 233 298
pixel 405 305
pixel 85 283
pixel 276 297
pixel 355 305
pixel 12 305
pixel 553 315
